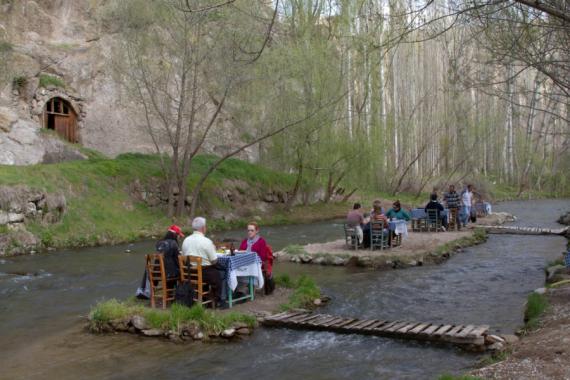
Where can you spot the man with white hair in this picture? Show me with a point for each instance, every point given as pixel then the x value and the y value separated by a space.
pixel 199 245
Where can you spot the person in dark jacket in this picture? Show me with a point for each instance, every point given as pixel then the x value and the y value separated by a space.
pixel 433 204
pixel 170 249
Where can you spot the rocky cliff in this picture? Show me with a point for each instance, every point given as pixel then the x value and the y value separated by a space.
pixel 63 48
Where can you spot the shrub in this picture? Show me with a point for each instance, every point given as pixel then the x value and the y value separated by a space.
pixel 306 291
pixel 49 80
pixel 535 306
pixel 20 81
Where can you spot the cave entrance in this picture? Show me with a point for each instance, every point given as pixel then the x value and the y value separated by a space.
pixel 60 117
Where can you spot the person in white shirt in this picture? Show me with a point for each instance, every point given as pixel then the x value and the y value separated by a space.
pixel 466 203
pixel 199 245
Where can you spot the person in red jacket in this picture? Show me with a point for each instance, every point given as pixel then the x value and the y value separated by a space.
pixel 254 242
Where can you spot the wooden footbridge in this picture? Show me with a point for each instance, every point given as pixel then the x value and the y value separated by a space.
pixel 516 230
pixel 467 336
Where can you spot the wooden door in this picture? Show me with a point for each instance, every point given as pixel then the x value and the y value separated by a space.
pixel 62 126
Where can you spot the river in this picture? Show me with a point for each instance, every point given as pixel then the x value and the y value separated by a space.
pixel 42 315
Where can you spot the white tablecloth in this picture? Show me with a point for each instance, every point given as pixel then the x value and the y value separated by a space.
pixel 399 227
pixel 241 265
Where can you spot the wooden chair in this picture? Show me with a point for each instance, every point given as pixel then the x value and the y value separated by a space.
pixel 453 221
pixel 202 291
pixel 378 239
pixel 418 220
pixel 350 236
pixel 433 221
pixel 162 289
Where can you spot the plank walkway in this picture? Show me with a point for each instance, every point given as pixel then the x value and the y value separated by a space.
pixel 469 336
pixel 516 230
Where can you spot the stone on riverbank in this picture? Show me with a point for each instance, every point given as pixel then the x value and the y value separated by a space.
pixel 139 322
pixel 153 332
pixel 557 273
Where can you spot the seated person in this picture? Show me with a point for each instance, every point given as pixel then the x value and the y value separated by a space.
pixel 377 215
pixel 199 245
pixel 433 204
pixel 355 219
pixel 397 212
pixel 255 243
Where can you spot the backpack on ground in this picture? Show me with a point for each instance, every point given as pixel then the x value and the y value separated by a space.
pixel 184 294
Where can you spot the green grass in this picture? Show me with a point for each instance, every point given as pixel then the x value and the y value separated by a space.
pixel 99 208
pixel 304 293
pixel 478 237
pixel 284 281
pixel 535 306
pixel 458 377
pixel 172 319
pixel 294 249
pixel 494 358
pixel 49 80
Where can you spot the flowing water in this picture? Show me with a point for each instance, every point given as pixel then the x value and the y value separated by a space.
pixel 42 313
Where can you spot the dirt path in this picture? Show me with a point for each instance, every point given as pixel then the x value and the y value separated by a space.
pixel 543 353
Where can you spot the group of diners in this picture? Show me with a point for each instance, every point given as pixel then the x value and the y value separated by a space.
pixel 459 205
pixel 197 244
pixel 361 220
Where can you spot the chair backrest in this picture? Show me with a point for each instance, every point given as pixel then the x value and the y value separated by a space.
pixel 159 286
pixel 377 237
pixel 351 236
pixel 432 215
pixel 191 270
pixel 418 213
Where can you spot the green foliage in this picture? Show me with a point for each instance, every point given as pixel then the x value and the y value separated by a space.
pixel 49 80
pixel 3 229
pixel 174 318
pixel 479 236
pixel 294 249
pixel 5 47
pixel 535 306
pixel 304 293
pixel 20 81
pixel 494 358
pixel 458 377
pixel 284 281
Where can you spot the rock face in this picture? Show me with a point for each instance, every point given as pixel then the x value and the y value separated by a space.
pixel 74 42
pixel 19 205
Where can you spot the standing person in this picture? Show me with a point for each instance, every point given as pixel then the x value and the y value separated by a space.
pixel 170 250
pixel 452 202
pixel 397 212
pixel 199 245
pixel 467 203
pixel 355 219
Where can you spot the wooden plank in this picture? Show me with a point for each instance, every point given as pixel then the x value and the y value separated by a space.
pixel 465 331
pixel 354 323
pixel 316 321
pixel 280 316
pixel 344 323
pixel 332 322
pixel 367 323
pixel 430 330
pixel 480 330
pixel 419 328
pixel 407 328
pixel 321 321
pixel 297 318
pixel 454 330
pixel 375 324
pixel 386 326
pixel 442 330
pixel 397 326
pixel 308 318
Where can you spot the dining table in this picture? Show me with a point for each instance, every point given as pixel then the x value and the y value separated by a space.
pixel 245 265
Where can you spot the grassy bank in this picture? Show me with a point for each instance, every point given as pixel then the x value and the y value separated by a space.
pixel 479 236
pixel 102 210
pixel 305 291
pixel 174 318
pixel 536 305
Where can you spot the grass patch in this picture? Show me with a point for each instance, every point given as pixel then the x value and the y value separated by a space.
pixel 6 46
pixel 535 306
pixel 50 80
pixel 458 377
pixel 558 261
pixel 479 236
pixel 304 293
pixel 494 358
pixel 284 281
pixel 294 249
pixel 173 319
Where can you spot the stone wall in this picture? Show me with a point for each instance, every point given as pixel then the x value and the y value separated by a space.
pixel 20 205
